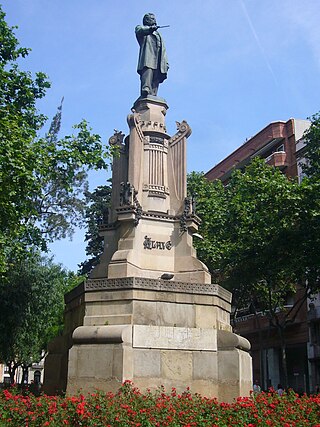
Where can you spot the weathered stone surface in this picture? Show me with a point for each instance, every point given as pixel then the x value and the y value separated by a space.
pixel 228 340
pixel 175 338
pixel 102 334
pixel 205 366
pixel 235 373
pixel 147 363
pixel 153 332
pixel 176 366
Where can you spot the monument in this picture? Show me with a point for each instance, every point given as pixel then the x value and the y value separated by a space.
pixel 149 313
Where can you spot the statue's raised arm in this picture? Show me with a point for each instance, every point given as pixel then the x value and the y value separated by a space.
pixel 153 62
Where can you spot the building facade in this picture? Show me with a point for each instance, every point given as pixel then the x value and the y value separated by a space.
pixel 277 143
pixel 282 145
pixel 35 374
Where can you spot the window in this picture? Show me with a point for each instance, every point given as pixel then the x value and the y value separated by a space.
pixel 315 333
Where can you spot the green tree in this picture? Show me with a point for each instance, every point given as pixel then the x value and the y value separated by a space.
pixel 211 207
pixel 252 234
pixel 19 123
pixel 311 167
pixel 310 213
pixel 31 310
pixel 96 212
pixel 42 179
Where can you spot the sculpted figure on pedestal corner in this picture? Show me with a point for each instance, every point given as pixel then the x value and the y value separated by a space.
pixel 153 62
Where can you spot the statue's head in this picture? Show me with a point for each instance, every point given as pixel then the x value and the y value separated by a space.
pixel 149 19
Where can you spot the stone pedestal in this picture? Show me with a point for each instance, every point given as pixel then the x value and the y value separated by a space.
pixel 126 322
pixel 151 221
pixel 154 332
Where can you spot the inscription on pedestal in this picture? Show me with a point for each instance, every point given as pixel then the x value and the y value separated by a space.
pixel 154 244
pixel 167 337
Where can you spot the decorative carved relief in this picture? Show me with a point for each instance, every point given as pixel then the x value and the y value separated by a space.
pixel 184 131
pixel 186 213
pixel 150 125
pixel 177 163
pixel 156 285
pixel 126 194
pixel 134 120
pixel 156 150
pixel 128 198
pixel 138 209
pixel 117 138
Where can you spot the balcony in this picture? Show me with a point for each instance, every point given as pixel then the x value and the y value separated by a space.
pixel 278 159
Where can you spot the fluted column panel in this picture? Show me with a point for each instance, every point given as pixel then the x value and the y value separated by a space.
pixel 157 173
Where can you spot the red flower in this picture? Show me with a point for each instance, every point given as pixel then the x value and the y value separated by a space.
pixel 80 408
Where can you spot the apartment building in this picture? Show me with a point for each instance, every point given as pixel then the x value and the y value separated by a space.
pixel 281 144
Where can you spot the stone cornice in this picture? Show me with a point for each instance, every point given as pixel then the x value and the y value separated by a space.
pixel 148 215
pixel 140 283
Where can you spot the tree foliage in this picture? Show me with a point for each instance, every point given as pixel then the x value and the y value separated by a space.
pixel 254 232
pixel 309 244
pixel 31 309
pixel 96 212
pixel 42 183
pixel 249 226
pixel 211 205
pixel 312 152
pixel 19 123
pixel 262 234
pixel 42 179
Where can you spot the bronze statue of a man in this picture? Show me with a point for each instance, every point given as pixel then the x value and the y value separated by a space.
pixel 153 62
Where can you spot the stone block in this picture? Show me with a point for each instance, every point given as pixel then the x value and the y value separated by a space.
pixel 175 314
pixel 146 363
pixel 107 320
pixel 206 316
pixel 100 297
pixel 95 366
pixel 55 375
pixel 92 385
pixel 205 365
pixel 125 363
pixel 205 387
pixel 235 374
pixel 168 337
pixel 176 365
pixel 184 298
pixel 145 312
pixel 92 361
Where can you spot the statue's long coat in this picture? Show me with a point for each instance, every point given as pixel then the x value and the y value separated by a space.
pixel 152 51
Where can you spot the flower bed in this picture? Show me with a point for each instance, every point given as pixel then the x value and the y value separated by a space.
pixel 129 407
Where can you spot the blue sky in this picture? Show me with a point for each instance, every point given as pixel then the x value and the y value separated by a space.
pixel 235 66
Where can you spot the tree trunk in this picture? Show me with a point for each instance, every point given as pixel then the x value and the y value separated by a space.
pixel 261 356
pixel 261 348
pixel 12 366
pixel 284 367
pixel 25 372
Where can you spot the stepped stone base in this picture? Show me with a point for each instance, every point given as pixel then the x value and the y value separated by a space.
pixel 152 332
